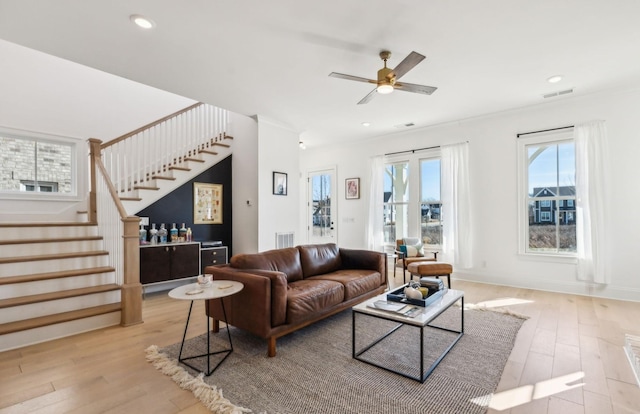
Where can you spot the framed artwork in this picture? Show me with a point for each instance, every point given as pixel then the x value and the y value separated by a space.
pixel 352 188
pixel 279 183
pixel 207 203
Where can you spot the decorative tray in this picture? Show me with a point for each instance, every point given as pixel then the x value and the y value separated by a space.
pixel 399 296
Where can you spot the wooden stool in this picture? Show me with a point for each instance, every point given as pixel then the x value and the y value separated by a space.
pixel 435 269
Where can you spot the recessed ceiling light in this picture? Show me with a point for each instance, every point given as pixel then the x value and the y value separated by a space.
pixel 366 124
pixel 142 21
pixel 555 79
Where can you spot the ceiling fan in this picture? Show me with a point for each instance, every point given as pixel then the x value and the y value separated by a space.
pixel 388 78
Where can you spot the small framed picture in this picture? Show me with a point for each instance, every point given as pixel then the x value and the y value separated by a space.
pixel 279 183
pixel 352 188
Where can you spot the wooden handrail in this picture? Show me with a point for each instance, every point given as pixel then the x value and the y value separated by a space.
pixel 96 163
pixel 112 190
pixel 154 123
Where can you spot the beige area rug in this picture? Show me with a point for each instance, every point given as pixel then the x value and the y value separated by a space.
pixel 314 371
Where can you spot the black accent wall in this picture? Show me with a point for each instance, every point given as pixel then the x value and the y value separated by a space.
pixel 177 207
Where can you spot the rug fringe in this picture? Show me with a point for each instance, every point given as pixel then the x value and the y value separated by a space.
pixel 209 395
pixel 506 311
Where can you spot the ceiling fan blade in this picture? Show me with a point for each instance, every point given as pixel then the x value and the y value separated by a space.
pixel 367 98
pixel 406 65
pixel 350 77
pixel 412 87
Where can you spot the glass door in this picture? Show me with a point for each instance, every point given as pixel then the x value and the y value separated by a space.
pixel 321 207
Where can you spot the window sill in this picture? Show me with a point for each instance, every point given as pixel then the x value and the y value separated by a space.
pixel 549 258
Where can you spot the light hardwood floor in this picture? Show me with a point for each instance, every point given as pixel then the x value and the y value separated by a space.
pixel 105 371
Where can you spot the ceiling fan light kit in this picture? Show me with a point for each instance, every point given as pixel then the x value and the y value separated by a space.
pixel 384 88
pixel 387 79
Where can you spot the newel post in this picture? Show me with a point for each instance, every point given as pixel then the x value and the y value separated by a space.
pixel 94 153
pixel 131 292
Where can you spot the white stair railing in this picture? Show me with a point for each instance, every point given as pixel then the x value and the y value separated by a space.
pixel 137 157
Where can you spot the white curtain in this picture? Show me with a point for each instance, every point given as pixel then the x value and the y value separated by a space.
pixel 591 198
pixel 375 237
pixel 456 205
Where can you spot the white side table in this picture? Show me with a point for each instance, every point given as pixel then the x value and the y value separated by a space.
pixel 218 289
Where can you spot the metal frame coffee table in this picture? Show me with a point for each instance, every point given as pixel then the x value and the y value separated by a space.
pixel 421 321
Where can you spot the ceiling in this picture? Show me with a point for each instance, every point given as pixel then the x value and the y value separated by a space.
pixel 272 58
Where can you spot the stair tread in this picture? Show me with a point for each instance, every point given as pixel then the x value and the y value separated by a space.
pixel 220 144
pixel 60 294
pixel 33 323
pixel 144 187
pixel 55 275
pixel 50 240
pixel 17 259
pixel 130 198
pixel 175 167
pixel 163 177
pixel 206 151
pixel 48 224
pixel 194 159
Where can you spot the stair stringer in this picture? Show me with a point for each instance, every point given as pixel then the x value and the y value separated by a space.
pixel 185 172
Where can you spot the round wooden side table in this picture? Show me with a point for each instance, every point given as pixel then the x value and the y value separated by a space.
pixel 217 289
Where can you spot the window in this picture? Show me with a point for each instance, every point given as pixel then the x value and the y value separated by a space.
pixel 396 200
pixel 39 186
pixel 430 203
pixel 547 193
pixel 412 204
pixel 36 164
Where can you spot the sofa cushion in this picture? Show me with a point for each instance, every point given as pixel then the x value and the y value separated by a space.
pixel 318 259
pixel 286 261
pixel 356 282
pixel 308 298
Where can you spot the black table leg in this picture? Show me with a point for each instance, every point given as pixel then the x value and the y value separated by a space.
pixel 208 354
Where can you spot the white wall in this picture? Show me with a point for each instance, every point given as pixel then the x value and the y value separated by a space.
pixel 493 166
pixel 278 151
pixel 244 131
pixel 46 94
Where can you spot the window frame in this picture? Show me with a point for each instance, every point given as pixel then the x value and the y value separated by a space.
pixel 413 204
pixel 523 142
pixel 393 205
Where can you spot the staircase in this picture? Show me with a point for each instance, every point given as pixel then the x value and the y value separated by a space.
pixel 56 281
pixel 60 279
pixel 157 158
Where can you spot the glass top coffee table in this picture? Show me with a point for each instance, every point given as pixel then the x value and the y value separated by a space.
pixel 381 347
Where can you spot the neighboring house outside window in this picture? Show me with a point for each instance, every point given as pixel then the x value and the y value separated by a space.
pixel 430 203
pixel 31 164
pixel 547 194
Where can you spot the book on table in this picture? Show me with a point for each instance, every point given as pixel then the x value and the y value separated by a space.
pixel 399 308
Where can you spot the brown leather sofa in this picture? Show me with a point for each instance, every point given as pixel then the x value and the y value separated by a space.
pixel 287 289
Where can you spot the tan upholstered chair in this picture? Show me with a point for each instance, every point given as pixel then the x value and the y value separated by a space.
pixel 404 260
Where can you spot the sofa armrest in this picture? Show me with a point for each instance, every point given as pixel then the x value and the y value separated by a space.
pixel 365 259
pixel 259 306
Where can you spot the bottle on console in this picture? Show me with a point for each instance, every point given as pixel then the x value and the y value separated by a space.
pixel 173 233
pixel 162 233
pixel 154 234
